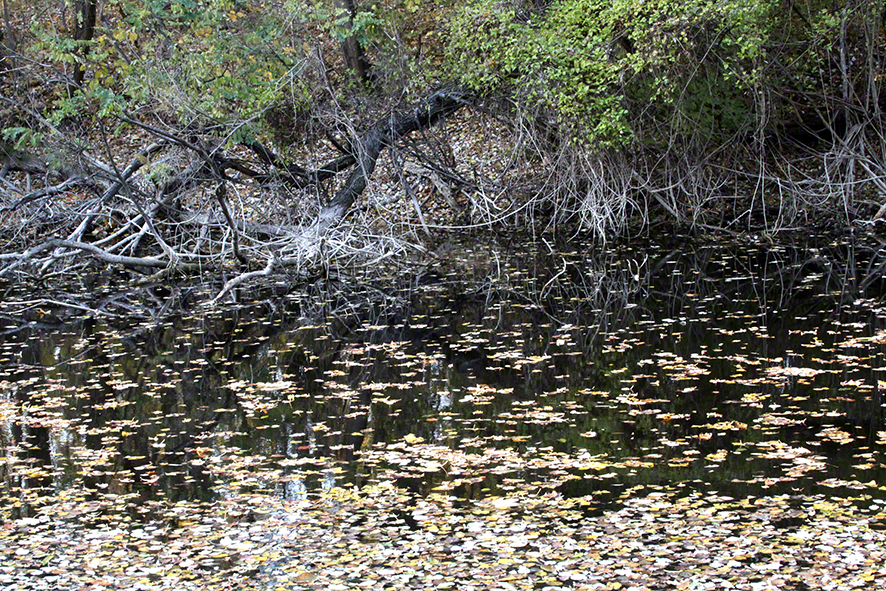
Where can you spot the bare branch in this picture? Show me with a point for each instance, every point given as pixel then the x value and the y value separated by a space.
pixel 98 253
pixel 46 192
pixel 139 161
pixel 221 196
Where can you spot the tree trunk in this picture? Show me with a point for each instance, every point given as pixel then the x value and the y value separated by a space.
pixel 351 49
pixel 84 31
pixel 8 43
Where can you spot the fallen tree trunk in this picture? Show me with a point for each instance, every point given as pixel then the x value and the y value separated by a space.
pixel 176 228
pixel 386 132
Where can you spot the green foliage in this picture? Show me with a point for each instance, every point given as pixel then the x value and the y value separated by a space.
pixel 224 63
pixel 208 62
pixel 22 137
pixel 365 25
pixel 603 65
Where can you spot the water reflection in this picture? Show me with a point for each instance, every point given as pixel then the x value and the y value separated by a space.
pixel 735 368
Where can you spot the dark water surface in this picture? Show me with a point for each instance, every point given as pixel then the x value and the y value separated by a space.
pixel 732 368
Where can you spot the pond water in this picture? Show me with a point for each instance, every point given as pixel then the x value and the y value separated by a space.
pixel 736 369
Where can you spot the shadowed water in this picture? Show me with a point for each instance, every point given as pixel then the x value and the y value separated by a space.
pixel 734 368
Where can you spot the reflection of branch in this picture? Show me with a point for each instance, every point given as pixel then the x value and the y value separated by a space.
pixel 873 274
pixel 541 294
pixel 244 277
pixel 42 302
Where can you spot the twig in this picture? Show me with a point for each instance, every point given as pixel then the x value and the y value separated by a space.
pixel 221 195
pixel 46 192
